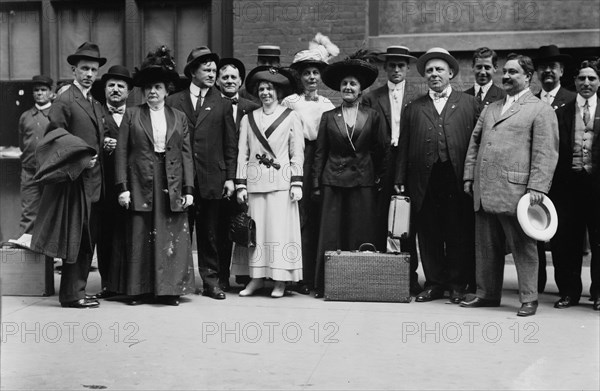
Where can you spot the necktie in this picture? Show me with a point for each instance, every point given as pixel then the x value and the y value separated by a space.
pixel 116 110
pixel 234 101
pixel 440 95
pixel 309 99
pixel 396 95
pixel 548 98
pixel 480 94
pixel 586 113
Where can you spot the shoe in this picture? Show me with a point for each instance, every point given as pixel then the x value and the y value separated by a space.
pixel 104 294
pixel 254 285
pixel 81 303
pixel 319 294
pixel 278 289
pixel 169 300
pixel 135 300
pixel 479 302
pixel 224 285
pixel 596 305
pixel 565 302
pixel 528 309
pixel 303 289
pixel 242 280
pixel 456 297
pixel 430 294
pixel 214 292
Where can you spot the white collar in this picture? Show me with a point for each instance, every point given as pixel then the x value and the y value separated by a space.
pixel 552 92
pixel 393 86
pixel 581 100
pixel 197 91
pixel 484 88
pixel 47 106
pixel 83 90
pixel 514 98
pixel 447 91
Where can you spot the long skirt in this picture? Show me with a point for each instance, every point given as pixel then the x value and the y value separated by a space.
pixel 278 251
pixel 159 253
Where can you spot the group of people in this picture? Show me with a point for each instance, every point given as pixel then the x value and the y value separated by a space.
pixel 314 177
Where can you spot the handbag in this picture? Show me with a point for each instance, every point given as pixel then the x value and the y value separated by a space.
pixel 242 230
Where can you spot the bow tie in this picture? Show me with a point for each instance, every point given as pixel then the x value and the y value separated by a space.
pixel 234 101
pixel 440 95
pixel 116 110
pixel 308 98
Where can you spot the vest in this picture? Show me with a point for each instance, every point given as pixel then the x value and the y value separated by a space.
pixel 583 137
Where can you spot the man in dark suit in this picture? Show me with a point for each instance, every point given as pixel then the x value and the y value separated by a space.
pixel 389 100
pixel 117 84
pixel 436 129
pixel 550 66
pixel 231 75
pixel 77 112
pixel 485 64
pixel 573 189
pixel 214 146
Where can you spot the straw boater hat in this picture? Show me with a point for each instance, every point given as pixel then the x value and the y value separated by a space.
pixel 158 66
pixel 87 51
pixel 397 52
pixel 118 72
pixel 355 65
pixel 539 222
pixel 268 51
pixel 551 53
pixel 440 53
pixel 199 55
pixel 43 80
pixel 320 51
pixel 276 75
pixel 236 63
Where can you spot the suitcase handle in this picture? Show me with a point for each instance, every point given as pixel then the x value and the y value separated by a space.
pixel 370 245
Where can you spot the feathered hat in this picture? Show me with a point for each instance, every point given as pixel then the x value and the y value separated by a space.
pixel 320 51
pixel 359 65
pixel 158 66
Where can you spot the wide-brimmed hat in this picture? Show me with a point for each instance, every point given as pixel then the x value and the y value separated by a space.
pixel 118 72
pixel 365 72
pixel 539 222
pixel 199 55
pixel 440 53
pixel 551 53
pixel 43 80
pixel 268 51
pixel 276 75
pixel 320 51
pixel 158 66
pixel 87 51
pixel 398 52
pixel 236 63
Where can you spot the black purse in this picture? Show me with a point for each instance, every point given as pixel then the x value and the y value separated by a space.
pixel 242 230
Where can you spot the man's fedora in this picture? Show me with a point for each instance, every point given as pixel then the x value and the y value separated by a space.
pixel 87 51
pixel 268 51
pixel 236 63
pixel 397 52
pixel 118 72
pixel 539 222
pixel 551 53
pixel 199 55
pixel 440 53
pixel 43 80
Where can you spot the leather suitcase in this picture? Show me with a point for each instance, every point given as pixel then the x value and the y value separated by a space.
pixel 399 217
pixel 367 276
pixel 25 273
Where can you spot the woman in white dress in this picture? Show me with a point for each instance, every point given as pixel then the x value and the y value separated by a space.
pixel 269 180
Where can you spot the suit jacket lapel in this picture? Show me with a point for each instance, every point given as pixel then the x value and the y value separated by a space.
pixel 361 120
pixel 339 121
pixel 186 105
pixel 112 129
pixel 597 122
pixel 450 107
pixel 209 102
pixel 84 103
pixel 170 116
pixel 514 108
pixel 428 108
pixel 384 102
pixel 146 122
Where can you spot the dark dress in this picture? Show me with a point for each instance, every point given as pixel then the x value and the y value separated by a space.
pixel 159 257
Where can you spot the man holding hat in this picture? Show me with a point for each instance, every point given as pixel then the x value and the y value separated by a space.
pixel 214 145
pixel 573 189
pixel 513 151
pixel 117 83
pixel 74 237
pixel 389 100
pixel 231 75
pixel 436 129
pixel 485 64
pixel 32 126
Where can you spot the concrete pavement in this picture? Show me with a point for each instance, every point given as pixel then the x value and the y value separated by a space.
pixel 299 343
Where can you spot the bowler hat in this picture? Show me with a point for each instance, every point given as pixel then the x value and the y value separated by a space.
pixel 397 52
pixel 276 75
pixel 236 63
pixel 551 53
pixel 440 53
pixel 268 51
pixel 87 51
pixel 42 79
pixel 540 221
pixel 199 55
pixel 118 72
pixel 365 72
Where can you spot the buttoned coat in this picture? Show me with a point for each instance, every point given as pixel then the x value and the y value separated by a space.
pixel 510 153
pixel 494 93
pixel 213 139
pixel 417 152
pixel 336 163
pixel 134 157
